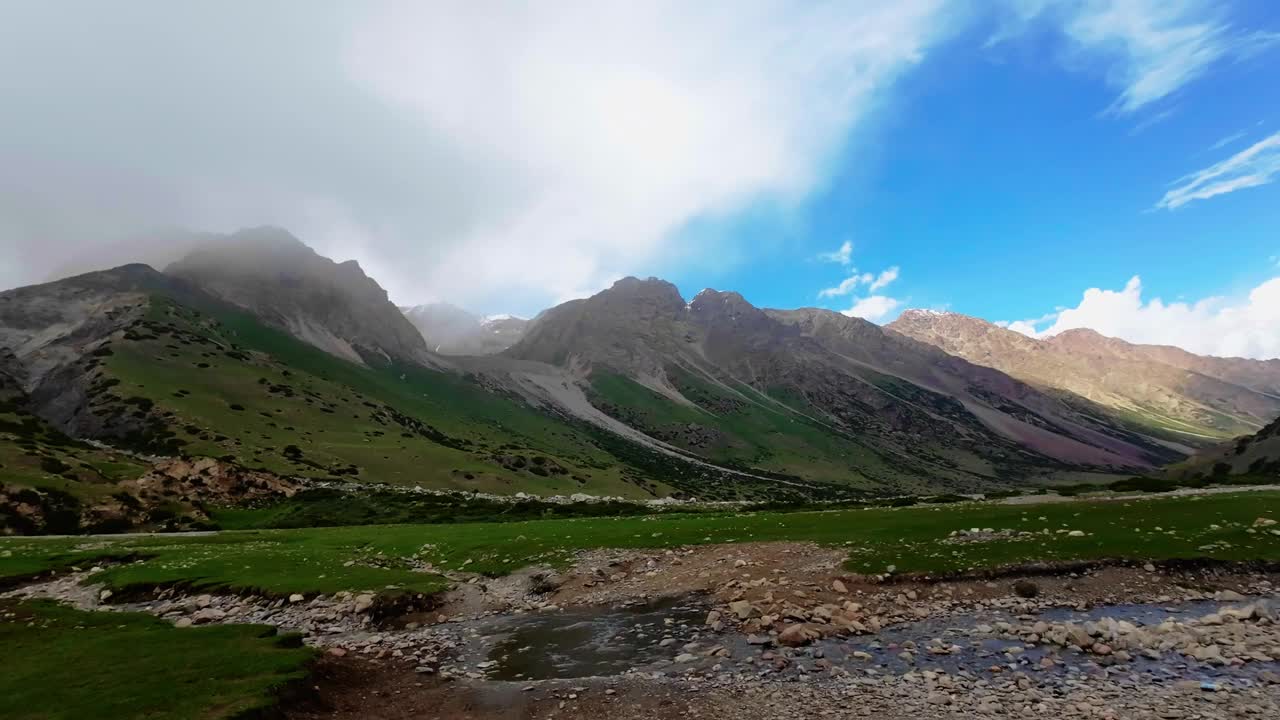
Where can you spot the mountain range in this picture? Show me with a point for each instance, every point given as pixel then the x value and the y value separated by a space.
pixel 1187 399
pixel 287 368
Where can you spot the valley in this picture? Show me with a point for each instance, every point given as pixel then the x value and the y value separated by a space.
pixel 252 464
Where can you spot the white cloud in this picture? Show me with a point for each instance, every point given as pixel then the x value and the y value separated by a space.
pixel 1225 141
pixel 1028 326
pixel 502 155
pixel 843 255
pixel 847 285
pixel 873 307
pixel 1152 47
pixel 1256 165
pixel 1244 326
pixel 876 308
pixel 618 122
pixel 884 279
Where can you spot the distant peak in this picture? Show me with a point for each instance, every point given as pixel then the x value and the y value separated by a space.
pixel 1080 333
pixel 650 287
pixel 928 313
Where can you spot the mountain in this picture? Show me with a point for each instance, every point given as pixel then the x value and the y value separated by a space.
pixel 253 367
pixel 1188 400
pixel 165 378
pixel 286 284
pixel 450 330
pixel 812 392
pixel 1262 376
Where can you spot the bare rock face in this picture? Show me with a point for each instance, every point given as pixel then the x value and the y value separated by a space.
pixel 1210 397
pixel 278 279
pixel 53 337
pixel 173 495
pixel 632 325
pixel 208 481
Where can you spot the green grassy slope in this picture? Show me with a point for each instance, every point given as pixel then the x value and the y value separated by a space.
pixel 63 664
pixel 742 429
pixel 214 381
pixel 42 468
pixel 226 385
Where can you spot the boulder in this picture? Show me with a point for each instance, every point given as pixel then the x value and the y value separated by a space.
pixel 798 634
pixel 207 615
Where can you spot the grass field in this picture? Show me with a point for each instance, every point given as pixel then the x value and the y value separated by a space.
pixel 913 539
pixel 129 665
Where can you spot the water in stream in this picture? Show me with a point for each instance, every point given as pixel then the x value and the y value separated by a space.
pixel 593 641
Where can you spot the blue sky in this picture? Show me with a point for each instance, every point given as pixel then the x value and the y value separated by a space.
pixel 1001 186
pixel 1018 160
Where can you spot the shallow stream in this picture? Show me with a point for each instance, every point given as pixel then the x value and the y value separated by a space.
pixel 595 641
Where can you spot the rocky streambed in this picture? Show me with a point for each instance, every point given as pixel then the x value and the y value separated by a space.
pixel 761 635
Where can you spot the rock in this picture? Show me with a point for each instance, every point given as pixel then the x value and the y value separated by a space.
pixel 338 652
pixel 1149 568
pixel 686 658
pixel 363 602
pixel 759 640
pixel 207 615
pixel 1076 533
pixel 1228 596
pixel 296 598
pixel 1077 636
pixel 104 596
pixel 713 617
pixel 1026 589
pixel 1263 522
pixel 203 601
pixel 742 608
pixel 797 635
pixel 839 587
pixel 184 622
pixel 860 655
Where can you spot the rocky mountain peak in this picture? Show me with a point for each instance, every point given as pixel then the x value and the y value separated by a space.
pixel 652 292
pixel 334 306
